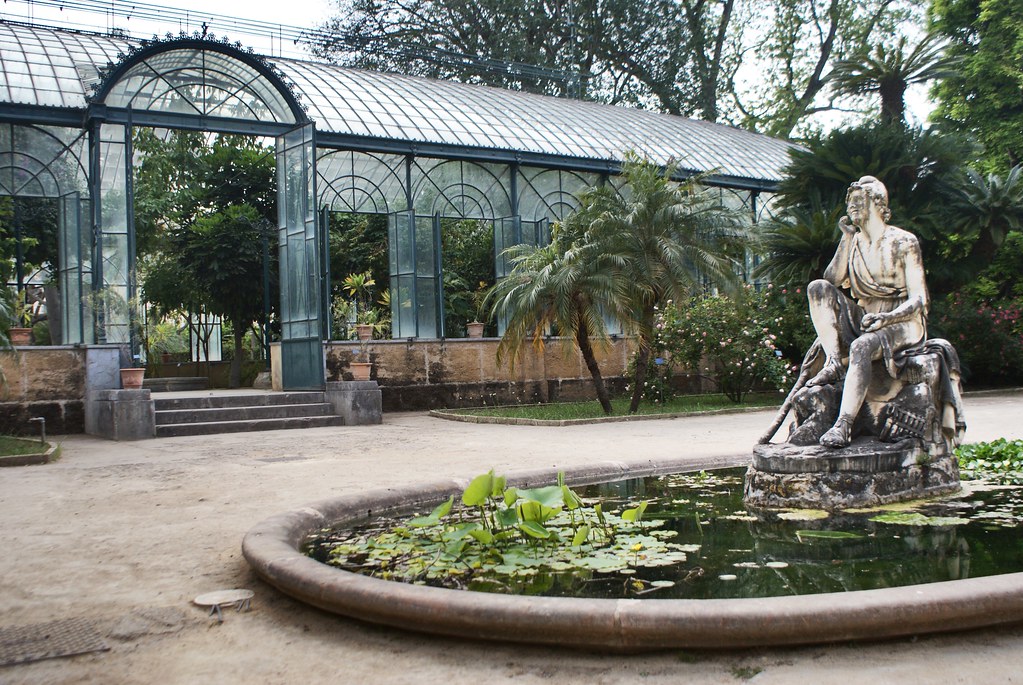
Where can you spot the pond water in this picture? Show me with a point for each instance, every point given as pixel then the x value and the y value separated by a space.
pixel 715 548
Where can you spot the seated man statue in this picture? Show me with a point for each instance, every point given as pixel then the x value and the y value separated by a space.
pixel 878 329
pixel 883 270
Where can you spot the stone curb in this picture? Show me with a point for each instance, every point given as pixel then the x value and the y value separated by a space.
pixel 46 457
pixel 516 421
pixel 623 625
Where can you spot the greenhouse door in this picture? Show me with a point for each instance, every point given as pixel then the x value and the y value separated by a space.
pixel 74 266
pixel 298 243
pixel 417 309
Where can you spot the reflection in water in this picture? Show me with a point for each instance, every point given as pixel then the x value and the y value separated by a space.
pixel 735 552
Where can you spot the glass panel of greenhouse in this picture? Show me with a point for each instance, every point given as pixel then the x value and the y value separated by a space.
pixel 416 150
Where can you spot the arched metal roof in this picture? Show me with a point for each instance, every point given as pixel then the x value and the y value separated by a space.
pixel 357 109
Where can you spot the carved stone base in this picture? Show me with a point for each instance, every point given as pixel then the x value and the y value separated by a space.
pixel 866 473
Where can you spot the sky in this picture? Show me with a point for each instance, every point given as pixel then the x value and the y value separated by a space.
pixel 224 17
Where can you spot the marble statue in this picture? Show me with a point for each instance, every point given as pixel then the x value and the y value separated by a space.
pixel 873 389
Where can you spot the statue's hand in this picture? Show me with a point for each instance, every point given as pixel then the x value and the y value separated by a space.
pixel 848 229
pixel 872 322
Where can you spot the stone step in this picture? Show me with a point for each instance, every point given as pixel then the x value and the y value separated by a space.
pixel 248 413
pixel 176 383
pixel 246 400
pixel 210 428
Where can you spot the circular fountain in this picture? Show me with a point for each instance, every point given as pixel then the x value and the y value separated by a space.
pixel 272 548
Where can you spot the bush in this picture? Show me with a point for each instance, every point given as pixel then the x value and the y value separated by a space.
pixel 988 337
pixel 732 338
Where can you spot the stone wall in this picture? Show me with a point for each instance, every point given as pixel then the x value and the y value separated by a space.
pixel 42 381
pixel 428 374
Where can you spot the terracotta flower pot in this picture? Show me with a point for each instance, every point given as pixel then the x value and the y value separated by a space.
pixel 131 379
pixel 364 331
pixel 361 370
pixel 20 336
pixel 475 329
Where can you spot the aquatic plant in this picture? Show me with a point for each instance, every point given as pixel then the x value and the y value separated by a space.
pixel 999 461
pixel 503 535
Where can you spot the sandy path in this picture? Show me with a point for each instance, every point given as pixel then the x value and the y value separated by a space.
pixel 126 534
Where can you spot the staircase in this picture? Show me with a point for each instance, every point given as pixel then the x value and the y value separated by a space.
pixel 240 413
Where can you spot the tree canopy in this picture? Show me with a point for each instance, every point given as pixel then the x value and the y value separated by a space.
pixel 764 65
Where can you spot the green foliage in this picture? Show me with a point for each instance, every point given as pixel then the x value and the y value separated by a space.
pixel 506 536
pixel 983 97
pixel 467 249
pixel 987 336
pixel 922 171
pixel 1000 461
pixel 890 69
pixel 204 210
pixel 358 242
pixel 732 338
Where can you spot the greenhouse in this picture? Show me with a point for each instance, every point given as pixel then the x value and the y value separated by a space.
pixel 413 149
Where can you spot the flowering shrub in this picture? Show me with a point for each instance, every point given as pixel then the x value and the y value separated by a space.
pixel 988 337
pixel 735 339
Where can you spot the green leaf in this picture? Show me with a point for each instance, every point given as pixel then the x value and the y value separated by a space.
pixel 507 518
pixel 443 509
pixel 511 496
pixel 635 514
pixel 581 535
pixel 534 511
pixel 484 537
pixel 534 529
pixel 497 489
pixel 479 489
pixel 572 500
pixel 550 496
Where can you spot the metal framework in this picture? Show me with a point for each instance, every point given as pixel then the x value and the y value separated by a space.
pixel 348 140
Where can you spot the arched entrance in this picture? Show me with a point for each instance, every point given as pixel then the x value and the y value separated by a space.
pixel 204 85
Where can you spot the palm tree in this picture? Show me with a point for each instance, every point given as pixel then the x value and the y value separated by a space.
pixel 562 286
pixel 987 209
pixel 664 241
pixel 799 243
pixel 890 71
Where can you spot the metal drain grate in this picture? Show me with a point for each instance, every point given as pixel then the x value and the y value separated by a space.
pixel 22 644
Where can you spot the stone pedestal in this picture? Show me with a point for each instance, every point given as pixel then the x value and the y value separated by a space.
pixel 120 414
pixel 358 403
pixel 866 473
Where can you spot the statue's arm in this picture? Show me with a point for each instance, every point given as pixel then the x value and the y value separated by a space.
pixel 837 271
pixel 916 291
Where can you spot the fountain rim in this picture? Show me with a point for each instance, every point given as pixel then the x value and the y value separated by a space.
pixel 271 548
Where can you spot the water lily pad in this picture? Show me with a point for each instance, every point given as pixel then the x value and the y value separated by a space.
pixel 915 518
pixel 804 515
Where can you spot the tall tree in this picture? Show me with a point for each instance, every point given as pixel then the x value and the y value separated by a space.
pixel 665 241
pixel 890 70
pixel 685 57
pixel 790 55
pixel 986 96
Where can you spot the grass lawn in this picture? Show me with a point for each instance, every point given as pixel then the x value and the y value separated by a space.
pixel 561 411
pixel 10 446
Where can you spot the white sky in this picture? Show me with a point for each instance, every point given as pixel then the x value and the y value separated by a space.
pixel 187 16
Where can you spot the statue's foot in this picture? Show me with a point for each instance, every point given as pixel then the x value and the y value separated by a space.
pixel 831 373
pixel 838 435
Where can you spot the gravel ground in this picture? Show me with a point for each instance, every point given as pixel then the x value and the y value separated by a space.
pixel 127 534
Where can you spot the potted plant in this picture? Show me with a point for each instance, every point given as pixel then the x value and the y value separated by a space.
pixel 20 331
pixel 479 300
pixel 365 323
